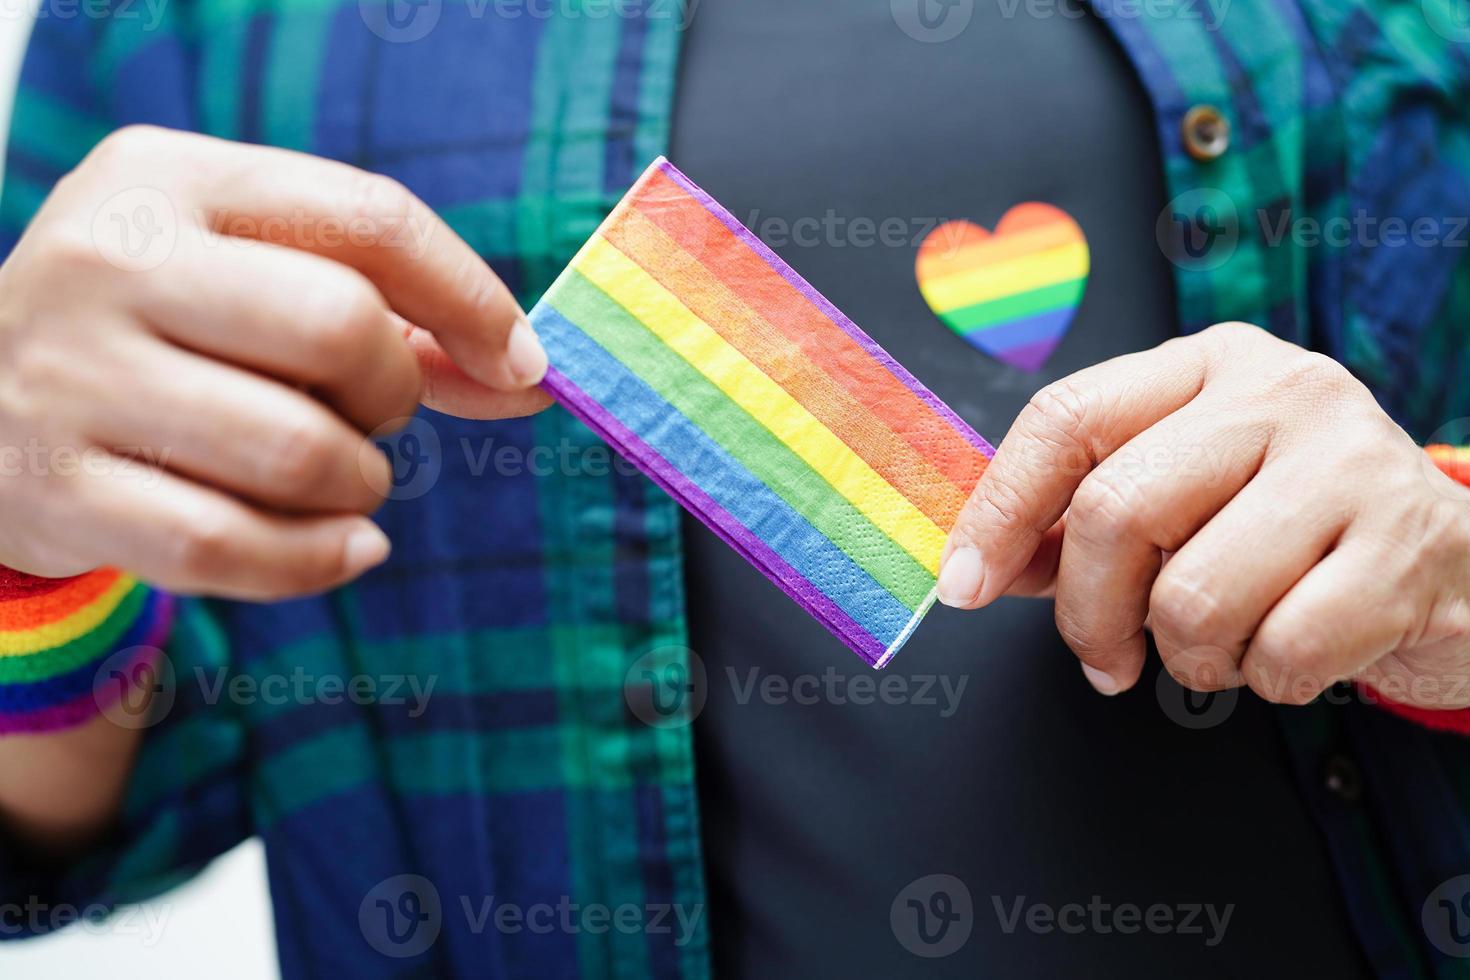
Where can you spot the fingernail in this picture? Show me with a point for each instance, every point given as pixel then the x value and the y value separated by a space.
pixel 959 579
pixel 524 354
pixel 366 548
pixel 1101 682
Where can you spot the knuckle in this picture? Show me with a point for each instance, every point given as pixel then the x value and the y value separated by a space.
pixel 203 548
pixel 1059 411
pixel 339 319
pixel 993 503
pixel 489 298
pixel 381 201
pixel 300 458
pixel 65 258
pixel 129 145
pixel 1082 636
pixel 1107 506
pixel 1312 374
pixel 39 374
pixel 1289 666
pixel 1183 608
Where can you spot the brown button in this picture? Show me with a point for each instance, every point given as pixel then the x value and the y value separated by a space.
pixel 1206 132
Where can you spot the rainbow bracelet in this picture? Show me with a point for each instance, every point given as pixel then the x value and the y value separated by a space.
pixel 56 635
pixel 1453 460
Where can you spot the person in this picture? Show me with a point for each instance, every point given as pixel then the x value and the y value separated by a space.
pixel 244 241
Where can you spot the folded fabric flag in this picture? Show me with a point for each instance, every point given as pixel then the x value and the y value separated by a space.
pixel 688 345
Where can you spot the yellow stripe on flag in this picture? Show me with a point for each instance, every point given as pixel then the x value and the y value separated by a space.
pixel 767 402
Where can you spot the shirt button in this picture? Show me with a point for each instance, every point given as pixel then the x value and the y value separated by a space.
pixel 1206 133
pixel 1343 779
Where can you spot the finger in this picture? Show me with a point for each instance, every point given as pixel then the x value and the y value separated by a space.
pixel 1344 614
pixel 292 315
pixel 1038 580
pixel 1218 588
pixel 448 389
pixel 373 224
pixel 1067 428
pixel 1147 498
pixel 190 539
pixel 236 431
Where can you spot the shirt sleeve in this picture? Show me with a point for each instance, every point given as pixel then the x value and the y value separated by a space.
pixel 79 647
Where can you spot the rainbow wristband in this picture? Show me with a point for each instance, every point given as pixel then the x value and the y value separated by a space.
pixel 55 634
pixel 1453 460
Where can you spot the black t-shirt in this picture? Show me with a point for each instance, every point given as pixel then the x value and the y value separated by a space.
pixel 981 753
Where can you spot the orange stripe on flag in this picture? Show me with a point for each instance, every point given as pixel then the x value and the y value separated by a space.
pixel 824 343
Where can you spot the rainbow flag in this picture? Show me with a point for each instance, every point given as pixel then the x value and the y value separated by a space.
pixel 1013 293
pixel 682 340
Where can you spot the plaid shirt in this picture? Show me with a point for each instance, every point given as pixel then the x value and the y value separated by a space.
pixel 528 597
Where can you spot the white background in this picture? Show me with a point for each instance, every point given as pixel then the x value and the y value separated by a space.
pixel 216 927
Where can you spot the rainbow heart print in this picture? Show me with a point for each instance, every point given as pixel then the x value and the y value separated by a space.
pixel 688 345
pixel 1012 294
